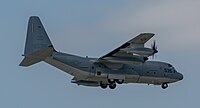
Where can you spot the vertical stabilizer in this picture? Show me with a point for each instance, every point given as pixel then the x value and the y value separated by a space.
pixel 36 36
pixel 38 45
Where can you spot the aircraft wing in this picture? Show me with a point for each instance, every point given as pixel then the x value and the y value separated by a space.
pixel 119 54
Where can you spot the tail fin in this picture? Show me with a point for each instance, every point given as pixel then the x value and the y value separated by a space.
pixel 38 45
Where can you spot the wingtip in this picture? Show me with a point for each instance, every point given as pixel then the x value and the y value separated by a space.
pixel 148 34
pixel 34 16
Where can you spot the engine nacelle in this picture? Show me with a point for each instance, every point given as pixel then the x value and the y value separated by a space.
pixel 145 52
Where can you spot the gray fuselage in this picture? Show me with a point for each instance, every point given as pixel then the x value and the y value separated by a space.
pixel 88 69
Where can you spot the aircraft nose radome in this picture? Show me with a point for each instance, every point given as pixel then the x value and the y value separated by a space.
pixel 180 76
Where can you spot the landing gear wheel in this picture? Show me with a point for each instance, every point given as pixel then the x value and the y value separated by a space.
pixel 103 86
pixel 111 81
pixel 119 81
pixel 164 85
pixel 112 86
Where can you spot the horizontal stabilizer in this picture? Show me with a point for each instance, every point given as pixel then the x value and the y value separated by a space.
pixel 29 61
pixel 36 56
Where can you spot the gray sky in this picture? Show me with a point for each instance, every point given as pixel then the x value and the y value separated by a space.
pixel 93 28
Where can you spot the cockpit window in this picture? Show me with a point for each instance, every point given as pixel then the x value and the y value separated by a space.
pixel 170 65
pixel 169 69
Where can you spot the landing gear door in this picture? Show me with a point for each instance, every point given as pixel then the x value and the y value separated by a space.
pixel 116 76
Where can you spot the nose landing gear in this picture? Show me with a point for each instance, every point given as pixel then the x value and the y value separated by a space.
pixel 164 85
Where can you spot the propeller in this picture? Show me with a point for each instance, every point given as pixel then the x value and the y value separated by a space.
pixel 154 48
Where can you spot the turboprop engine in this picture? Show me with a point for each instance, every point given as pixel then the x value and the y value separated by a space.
pixel 145 52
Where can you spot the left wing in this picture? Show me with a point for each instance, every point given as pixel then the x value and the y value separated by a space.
pixel 119 55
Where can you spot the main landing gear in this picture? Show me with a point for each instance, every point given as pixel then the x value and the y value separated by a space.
pixel 118 81
pixel 103 86
pixel 111 83
pixel 112 86
pixel 164 85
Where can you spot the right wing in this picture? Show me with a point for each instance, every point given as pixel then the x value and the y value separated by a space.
pixel 121 55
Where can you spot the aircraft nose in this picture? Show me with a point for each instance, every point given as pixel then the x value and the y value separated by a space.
pixel 180 76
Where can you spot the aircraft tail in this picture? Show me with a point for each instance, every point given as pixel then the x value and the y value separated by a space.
pixel 38 45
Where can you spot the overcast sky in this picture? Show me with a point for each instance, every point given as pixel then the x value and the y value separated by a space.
pixel 93 28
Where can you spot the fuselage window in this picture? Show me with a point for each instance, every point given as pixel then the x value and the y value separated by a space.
pixel 98 73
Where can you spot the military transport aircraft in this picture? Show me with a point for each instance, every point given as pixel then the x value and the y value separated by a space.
pixel 125 64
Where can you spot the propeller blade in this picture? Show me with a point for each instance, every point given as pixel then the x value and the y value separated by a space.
pixel 154 48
